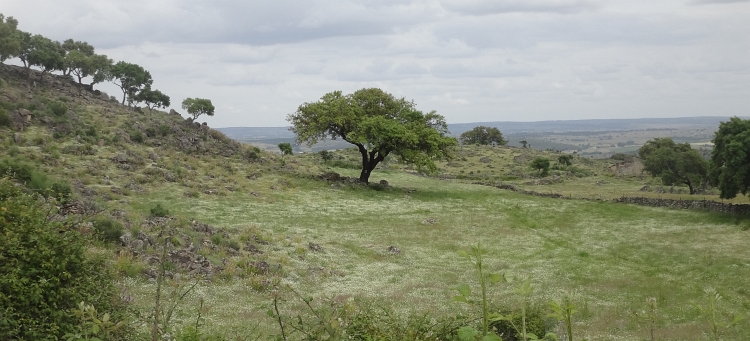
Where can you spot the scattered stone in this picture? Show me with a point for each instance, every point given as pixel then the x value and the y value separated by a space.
pixel 384 183
pixel 394 250
pixel 115 190
pixel 250 247
pixel 152 156
pixel 315 247
pixel 17 138
pixel 485 160
pixel 645 188
pixel 429 221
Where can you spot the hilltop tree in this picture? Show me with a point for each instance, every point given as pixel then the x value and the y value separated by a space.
pixel 152 98
pixel 523 143
pixel 48 55
pixel 76 56
pixel 10 46
pixel 24 40
pixel 378 124
pixel 484 136
pixel 674 163
pixel 730 158
pixel 132 78
pixel 198 106
pixel 99 68
pixel 541 165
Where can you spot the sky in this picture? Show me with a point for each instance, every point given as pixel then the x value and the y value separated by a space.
pixel 470 60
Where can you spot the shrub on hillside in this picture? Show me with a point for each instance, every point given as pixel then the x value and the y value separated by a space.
pixel 109 230
pixel 159 211
pixel 137 136
pixel 57 108
pixel 45 271
pixel 4 118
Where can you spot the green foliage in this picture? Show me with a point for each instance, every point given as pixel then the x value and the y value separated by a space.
pixel 92 326
pixel 137 136
pixel 378 124
pixel 10 44
pixel 46 54
pixel 730 158
pixel 534 316
pixel 541 164
pixel 4 118
pixel 325 156
pixel 198 106
pixel 131 78
pixel 109 229
pixel 563 310
pixel 565 160
pixel 159 211
pixel 709 311
pixel 152 98
pixel 57 108
pixel 252 153
pixel 475 256
pixel 44 271
pixel 674 163
pixel 483 136
pixel 285 148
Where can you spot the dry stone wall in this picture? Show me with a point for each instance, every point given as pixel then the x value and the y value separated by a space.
pixel 705 205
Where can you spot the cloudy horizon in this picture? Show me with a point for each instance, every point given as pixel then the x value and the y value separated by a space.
pixel 470 60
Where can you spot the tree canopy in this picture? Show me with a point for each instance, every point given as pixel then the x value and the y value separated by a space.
pixel 484 136
pixel 730 159
pixel 132 78
pixel 48 55
pixel 152 98
pixel 378 124
pixel 674 163
pixel 10 45
pixel 541 164
pixel 198 106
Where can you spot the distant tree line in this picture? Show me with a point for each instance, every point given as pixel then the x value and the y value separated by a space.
pixel 79 59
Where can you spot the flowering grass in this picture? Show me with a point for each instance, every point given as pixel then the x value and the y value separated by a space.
pixel 610 256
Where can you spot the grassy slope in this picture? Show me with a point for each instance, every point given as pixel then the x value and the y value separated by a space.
pixel 610 256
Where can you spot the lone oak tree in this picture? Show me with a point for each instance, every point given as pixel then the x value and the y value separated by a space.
pixel 198 106
pixel 132 78
pixel 673 162
pixel 378 124
pixel 730 158
pixel 484 136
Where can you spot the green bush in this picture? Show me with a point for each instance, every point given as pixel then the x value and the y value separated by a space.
pixel 57 108
pixel 159 211
pixel 45 271
pixel 4 118
pixel 344 164
pixel 109 230
pixel 164 130
pixel 137 136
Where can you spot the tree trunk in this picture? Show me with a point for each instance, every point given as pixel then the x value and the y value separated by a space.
pixel 369 162
pixel 690 185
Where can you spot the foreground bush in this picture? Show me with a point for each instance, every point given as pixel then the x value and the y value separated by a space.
pixel 45 271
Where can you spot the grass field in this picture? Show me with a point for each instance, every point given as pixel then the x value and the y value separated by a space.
pixel 610 257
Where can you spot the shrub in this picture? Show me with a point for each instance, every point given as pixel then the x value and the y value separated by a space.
pixel 137 136
pixel 159 211
pixel 45 271
pixel 164 130
pixel 252 153
pixel 57 108
pixel 4 118
pixel 109 230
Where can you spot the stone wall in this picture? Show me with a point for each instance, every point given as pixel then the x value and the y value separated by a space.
pixel 706 205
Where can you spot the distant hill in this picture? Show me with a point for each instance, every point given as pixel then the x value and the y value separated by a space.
pixel 269 137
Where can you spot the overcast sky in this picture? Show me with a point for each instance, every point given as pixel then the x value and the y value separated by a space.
pixel 470 60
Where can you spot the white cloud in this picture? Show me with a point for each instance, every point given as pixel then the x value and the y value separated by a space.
pixel 469 60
